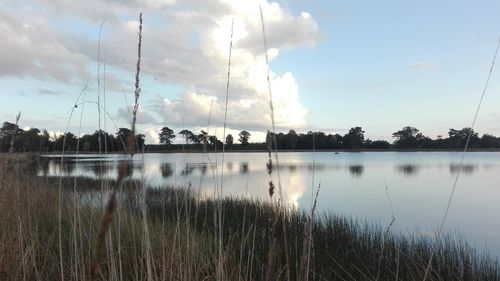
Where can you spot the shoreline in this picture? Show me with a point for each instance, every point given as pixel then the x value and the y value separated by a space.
pixel 5 155
pixel 69 153
pixel 292 151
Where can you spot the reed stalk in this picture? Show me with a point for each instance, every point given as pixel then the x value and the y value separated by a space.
pixel 450 199
pixel 307 246
pixel 13 138
pixel 271 107
pixel 109 210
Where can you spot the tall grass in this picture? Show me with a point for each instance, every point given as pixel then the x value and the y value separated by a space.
pixel 340 248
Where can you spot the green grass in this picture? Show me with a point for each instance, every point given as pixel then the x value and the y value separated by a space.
pixel 183 237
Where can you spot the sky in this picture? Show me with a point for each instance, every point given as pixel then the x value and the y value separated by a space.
pixel 381 65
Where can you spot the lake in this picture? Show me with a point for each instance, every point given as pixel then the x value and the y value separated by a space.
pixel 352 183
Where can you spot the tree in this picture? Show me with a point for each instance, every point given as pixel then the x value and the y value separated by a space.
pixel 354 139
pixel 6 132
pixel 45 141
pixel 320 140
pixel 122 137
pixel 8 129
pixel 140 139
pixel 215 142
pixel 186 134
pixel 229 140
pixel 408 137
pixel 203 137
pixel 489 141
pixel 98 138
pixel 293 139
pixel 308 140
pixel 212 140
pixel 106 141
pixel 69 140
pixel 95 139
pixel 166 135
pixel 243 138
pixel 86 143
pixel 32 140
pixel 458 138
pixel 335 141
pixel 194 139
pixel 379 144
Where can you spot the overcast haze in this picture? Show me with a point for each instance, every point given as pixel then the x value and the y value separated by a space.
pixel 334 64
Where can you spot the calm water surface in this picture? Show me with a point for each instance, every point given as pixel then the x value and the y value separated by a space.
pixel 354 184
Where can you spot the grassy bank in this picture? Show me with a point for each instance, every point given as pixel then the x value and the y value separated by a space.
pixel 171 234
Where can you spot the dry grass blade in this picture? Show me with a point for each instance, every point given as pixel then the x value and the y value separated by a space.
pixel 16 128
pixel 132 141
pixel 106 220
pixel 271 107
pixel 386 233
pixel 107 216
pixel 308 241
pixel 220 269
pixel 269 143
pixel 99 88
pixel 72 110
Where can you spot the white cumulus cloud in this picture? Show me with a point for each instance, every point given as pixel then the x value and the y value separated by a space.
pixel 185 43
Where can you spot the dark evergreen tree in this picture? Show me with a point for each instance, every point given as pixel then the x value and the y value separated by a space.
pixel 244 137
pixel 166 135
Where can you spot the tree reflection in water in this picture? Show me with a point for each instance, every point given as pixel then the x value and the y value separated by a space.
pixel 244 168
pixel 203 168
pixel 43 167
pixel 408 169
pixel 102 169
pixel 129 168
pixel 166 170
pixel 188 170
pixel 356 170
pixel 467 169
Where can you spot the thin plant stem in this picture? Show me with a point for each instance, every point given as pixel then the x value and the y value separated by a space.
pixel 109 210
pixel 220 269
pixel 99 138
pixel 16 128
pixel 450 199
pixel 271 106
pixel 386 233
pixel 75 191
pixel 61 267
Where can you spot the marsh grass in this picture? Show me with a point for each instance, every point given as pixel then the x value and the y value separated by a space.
pixel 342 248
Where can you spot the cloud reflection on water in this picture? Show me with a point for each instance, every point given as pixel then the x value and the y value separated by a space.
pixel 352 183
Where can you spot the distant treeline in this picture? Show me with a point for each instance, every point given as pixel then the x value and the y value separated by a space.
pixel 36 140
pixel 406 138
